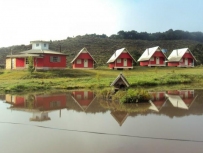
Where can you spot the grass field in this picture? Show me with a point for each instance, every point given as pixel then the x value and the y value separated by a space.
pixel 146 77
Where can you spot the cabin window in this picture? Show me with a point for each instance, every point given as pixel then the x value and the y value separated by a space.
pixel 79 96
pixel 152 59
pixel 55 59
pixel 118 60
pixel 37 45
pixel 45 45
pixel 78 61
pixel 55 104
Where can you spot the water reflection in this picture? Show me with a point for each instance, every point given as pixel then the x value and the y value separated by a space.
pixel 37 104
pixel 83 98
pixel 181 98
pixel 172 120
pixel 171 103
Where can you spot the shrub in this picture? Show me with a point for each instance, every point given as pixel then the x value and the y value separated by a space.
pixel 130 96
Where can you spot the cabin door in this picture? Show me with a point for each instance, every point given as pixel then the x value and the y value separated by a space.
pixel 26 62
pixel 85 63
pixel 157 60
pixel 124 62
pixel 85 95
pixel 12 63
pixel 186 61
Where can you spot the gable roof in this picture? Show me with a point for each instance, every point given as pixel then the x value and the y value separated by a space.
pixel 117 54
pixel 120 76
pixel 81 51
pixel 40 51
pixel 148 53
pixel 177 54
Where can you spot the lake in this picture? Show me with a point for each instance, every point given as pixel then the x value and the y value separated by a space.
pixel 79 121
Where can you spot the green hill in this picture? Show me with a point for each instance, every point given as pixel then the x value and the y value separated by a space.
pixel 101 48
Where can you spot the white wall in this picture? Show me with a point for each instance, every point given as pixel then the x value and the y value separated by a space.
pixel 41 45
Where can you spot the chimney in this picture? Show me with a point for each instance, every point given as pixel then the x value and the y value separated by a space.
pixel 177 52
pixel 148 51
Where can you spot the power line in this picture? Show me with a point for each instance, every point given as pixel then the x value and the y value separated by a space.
pixel 103 133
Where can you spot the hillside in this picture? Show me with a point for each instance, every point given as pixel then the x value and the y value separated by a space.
pixel 102 48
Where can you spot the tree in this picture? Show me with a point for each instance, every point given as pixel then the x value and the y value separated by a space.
pixel 31 67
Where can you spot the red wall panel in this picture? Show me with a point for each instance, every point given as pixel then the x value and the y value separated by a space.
pixel 46 62
pixel 20 62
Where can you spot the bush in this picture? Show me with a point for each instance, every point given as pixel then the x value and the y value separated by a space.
pixel 130 96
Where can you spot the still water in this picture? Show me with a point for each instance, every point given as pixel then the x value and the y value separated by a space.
pixel 78 121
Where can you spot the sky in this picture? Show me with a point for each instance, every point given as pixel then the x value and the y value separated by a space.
pixel 22 21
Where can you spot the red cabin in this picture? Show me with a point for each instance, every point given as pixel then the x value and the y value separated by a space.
pixel 121 59
pixel 43 58
pixel 181 58
pixel 153 57
pixel 83 60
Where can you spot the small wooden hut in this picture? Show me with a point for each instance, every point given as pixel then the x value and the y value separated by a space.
pixel 120 82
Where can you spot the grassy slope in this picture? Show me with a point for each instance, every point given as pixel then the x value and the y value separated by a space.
pixel 68 79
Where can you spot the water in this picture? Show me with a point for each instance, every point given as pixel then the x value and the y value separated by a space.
pixel 79 121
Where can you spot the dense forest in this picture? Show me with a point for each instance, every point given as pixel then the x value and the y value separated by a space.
pixel 102 47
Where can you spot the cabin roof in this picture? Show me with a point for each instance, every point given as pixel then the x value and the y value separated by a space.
pixel 120 76
pixel 120 116
pixel 177 54
pixel 81 51
pixel 147 54
pixel 39 41
pixel 117 54
pixel 40 51
pixel 24 55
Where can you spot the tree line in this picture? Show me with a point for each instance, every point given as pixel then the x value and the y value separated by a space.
pixel 167 35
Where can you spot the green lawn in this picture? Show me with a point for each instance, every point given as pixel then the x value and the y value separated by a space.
pixel 146 77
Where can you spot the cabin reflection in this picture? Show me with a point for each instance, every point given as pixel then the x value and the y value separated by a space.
pixel 38 104
pixel 157 101
pixel 83 98
pixel 181 98
pixel 120 116
pixel 169 103
pixel 40 116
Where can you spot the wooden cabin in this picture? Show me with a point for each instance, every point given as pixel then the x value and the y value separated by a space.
pixel 83 60
pixel 121 59
pixel 153 57
pixel 181 58
pixel 43 58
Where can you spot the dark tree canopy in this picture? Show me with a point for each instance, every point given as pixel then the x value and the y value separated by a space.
pixel 167 35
